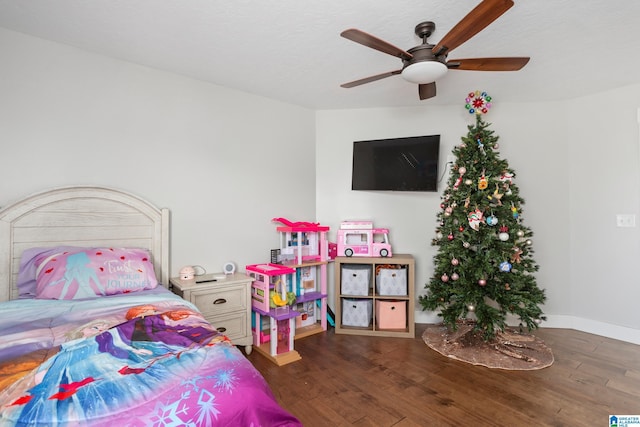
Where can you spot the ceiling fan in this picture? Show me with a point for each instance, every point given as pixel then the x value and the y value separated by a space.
pixel 425 63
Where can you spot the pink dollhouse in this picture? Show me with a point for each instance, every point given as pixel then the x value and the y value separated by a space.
pixel 299 269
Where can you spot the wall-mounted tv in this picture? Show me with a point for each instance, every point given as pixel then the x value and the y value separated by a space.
pixel 396 164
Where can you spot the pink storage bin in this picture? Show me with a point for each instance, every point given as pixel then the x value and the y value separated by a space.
pixel 391 314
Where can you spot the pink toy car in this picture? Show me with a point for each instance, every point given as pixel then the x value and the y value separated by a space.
pixel 359 238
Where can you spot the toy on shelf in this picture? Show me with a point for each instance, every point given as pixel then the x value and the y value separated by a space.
pixel 361 239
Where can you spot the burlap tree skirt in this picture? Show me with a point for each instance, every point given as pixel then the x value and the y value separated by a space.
pixel 511 349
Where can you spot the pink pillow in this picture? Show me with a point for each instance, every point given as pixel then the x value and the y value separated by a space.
pixel 26 282
pixel 87 272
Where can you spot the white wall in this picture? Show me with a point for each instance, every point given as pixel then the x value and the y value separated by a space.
pixel 223 161
pixel 604 160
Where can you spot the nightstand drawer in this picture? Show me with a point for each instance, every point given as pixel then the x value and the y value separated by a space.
pixel 234 326
pixel 220 301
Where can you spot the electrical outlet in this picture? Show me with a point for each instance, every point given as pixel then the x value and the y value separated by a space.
pixel 625 220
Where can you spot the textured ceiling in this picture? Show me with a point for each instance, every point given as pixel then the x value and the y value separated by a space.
pixel 290 50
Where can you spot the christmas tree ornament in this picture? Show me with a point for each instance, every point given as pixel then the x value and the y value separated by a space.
pixel 504 235
pixel 466 245
pixel 455 277
pixel 496 197
pixel 468 182
pixel 537 321
pixel 471 308
pixel 457 183
pixel 461 228
pixel 492 220
pixel 475 218
pixel 516 255
pixel 505 267
pixel 483 182
pixel 445 278
pixel 506 177
pixel 514 211
pixel 482 282
pixel 450 236
pixel 477 103
pixel 529 242
pixel 520 233
pixel 438 235
pixel 507 287
pixel 455 261
pixel 462 170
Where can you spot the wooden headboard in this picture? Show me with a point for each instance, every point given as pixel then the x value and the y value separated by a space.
pixel 81 216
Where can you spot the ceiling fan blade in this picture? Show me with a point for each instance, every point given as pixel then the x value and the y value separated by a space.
pixel 370 79
pixel 488 64
pixel 374 43
pixel 427 91
pixel 475 21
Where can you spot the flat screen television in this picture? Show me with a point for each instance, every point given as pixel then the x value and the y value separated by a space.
pixel 396 164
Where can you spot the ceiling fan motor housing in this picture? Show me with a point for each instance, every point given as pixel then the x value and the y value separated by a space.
pixel 424 67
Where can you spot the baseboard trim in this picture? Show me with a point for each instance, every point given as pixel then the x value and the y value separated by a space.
pixel 608 330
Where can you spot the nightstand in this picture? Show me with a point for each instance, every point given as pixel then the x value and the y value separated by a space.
pixel 225 303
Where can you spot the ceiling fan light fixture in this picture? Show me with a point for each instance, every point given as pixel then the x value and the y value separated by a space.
pixel 424 72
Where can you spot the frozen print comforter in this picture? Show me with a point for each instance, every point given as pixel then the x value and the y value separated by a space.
pixel 140 359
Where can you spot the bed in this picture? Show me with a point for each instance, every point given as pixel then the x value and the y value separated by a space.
pixel 89 334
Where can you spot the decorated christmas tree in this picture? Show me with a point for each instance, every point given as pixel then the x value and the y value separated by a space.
pixel 484 267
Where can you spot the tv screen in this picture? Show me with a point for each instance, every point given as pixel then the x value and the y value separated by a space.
pixel 396 164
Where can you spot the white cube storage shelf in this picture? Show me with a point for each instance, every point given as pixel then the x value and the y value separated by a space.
pixel 375 296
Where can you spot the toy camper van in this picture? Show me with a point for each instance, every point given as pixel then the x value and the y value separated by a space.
pixel 361 239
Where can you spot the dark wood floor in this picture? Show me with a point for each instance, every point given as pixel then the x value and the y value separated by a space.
pixel 347 380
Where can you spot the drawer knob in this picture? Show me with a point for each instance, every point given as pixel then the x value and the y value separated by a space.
pixel 221 329
pixel 220 301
